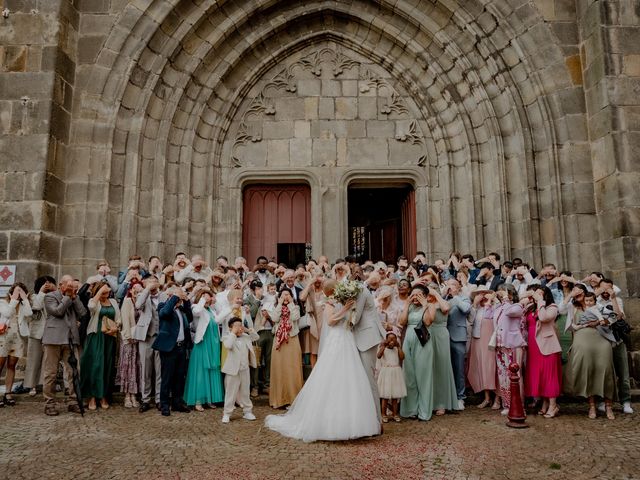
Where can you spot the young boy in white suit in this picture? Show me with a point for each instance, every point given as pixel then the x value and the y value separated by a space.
pixel 237 381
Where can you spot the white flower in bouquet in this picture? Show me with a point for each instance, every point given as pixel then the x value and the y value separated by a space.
pixel 345 291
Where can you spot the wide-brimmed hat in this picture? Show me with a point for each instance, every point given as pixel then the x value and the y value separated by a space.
pixel 217 273
pixel 480 291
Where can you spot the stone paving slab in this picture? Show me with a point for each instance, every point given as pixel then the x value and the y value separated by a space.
pixel 475 444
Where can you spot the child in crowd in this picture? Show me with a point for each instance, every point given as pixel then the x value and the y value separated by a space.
pixel 390 377
pixel 240 356
pixel 593 315
pixel 270 298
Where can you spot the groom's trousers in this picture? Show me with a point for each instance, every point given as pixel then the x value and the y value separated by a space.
pixel 368 358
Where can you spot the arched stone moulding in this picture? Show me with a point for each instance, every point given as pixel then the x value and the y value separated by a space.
pixel 484 95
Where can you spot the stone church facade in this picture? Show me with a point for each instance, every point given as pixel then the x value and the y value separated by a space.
pixel 136 125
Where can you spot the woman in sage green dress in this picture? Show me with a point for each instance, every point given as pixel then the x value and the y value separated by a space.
pixel 204 380
pixel 445 396
pixel 418 365
pixel 97 363
pixel 590 372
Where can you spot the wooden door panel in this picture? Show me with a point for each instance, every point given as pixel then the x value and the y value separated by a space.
pixel 274 214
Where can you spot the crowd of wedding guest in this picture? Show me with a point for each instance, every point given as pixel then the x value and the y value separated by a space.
pixel 184 336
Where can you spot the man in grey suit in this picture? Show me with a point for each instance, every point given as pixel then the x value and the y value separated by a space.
pixel 146 331
pixel 64 310
pixel 368 333
pixel 457 326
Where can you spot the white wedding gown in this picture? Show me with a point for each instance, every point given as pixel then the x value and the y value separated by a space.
pixel 336 402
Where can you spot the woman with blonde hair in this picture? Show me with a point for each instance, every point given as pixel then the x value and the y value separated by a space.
pixel 14 311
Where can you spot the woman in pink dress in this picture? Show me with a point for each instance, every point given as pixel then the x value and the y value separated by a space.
pixel 481 372
pixel 508 320
pixel 543 372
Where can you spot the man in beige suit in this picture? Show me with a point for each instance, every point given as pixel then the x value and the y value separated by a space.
pixel 237 381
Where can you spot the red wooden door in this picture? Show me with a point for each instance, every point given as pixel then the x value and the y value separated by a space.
pixel 274 214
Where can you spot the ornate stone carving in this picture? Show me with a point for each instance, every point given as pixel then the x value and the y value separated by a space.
pixel 315 63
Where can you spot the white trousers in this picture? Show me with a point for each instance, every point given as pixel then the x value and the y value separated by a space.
pixel 236 390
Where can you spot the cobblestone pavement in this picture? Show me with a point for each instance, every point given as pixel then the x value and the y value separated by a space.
pixel 474 444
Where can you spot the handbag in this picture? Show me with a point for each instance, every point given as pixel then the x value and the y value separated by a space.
pixel 109 327
pixel 423 334
pixel 304 322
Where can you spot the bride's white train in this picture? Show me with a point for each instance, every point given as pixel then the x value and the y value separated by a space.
pixel 336 402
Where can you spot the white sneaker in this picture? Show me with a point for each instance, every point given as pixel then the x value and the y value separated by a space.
pixel 602 407
pixel 505 411
pixel 249 416
pixel 225 419
pixel 460 404
pixel 626 407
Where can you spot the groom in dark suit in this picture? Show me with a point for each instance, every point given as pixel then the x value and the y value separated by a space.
pixel 173 340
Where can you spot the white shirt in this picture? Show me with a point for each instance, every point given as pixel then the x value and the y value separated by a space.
pixel 181 331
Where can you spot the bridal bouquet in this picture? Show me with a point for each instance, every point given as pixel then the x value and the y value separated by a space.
pixel 346 291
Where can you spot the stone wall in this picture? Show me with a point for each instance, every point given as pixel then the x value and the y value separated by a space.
pixel 120 121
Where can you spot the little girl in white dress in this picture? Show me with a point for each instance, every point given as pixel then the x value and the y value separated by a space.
pixel 390 377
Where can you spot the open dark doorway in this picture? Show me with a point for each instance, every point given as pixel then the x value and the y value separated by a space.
pixel 382 223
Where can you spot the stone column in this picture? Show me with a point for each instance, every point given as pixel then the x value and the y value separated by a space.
pixel 610 49
pixel 36 92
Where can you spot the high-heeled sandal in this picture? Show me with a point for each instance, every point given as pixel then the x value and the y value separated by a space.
pixel 609 412
pixel 484 404
pixel 592 412
pixel 199 408
pixel 440 412
pixel 552 412
pixel 9 401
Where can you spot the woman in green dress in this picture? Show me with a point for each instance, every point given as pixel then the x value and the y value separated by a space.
pixel 445 396
pixel 418 362
pixel 97 363
pixel 204 380
pixel 590 372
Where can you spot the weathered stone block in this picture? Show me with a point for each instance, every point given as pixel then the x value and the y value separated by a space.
pixel 331 88
pixel 380 128
pixel 346 108
pixel 324 151
pixel 277 152
pixel 309 87
pixel 311 108
pixel 4 245
pixel 327 110
pixel 290 108
pixel 368 151
pixel 277 130
pixel 367 108
pixel 20 215
pixel 24 245
pixel 300 151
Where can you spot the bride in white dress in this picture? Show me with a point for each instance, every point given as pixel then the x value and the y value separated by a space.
pixel 336 402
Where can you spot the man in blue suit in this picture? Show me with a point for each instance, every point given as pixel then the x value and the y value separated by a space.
pixel 173 341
